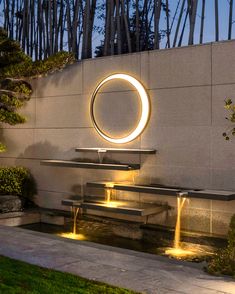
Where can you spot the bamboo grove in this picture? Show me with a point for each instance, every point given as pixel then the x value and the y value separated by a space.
pixel 97 27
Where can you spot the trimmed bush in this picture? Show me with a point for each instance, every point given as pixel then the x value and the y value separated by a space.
pixel 17 181
pixel 224 260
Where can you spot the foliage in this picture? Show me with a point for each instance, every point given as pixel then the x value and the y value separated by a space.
pixel 22 278
pixel 2 147
pixel 74 25
pixel 231 108
pixel 146 35
pixel 224 260
pixel 10 50
pixel 17 181
pixel 15 67
pixel 37 68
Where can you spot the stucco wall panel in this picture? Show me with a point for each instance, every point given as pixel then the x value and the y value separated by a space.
pixel 178 176
pixel 187 106
pixel 17 142
pixel 66 82
pixel 94 71
pixel 179 146
pixel 188 66
pixel 223 62
pixel 59 112
pixel 223 178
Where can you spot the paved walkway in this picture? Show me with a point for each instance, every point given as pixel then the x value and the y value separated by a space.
pixel 138 271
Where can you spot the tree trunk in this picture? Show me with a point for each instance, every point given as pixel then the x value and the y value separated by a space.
pixel 230 22
pixel 107 28
pixel 192 17
pixel 183 28
pixel 32 24
pixel 118 21
pixel 216 21
pixel 167 25
pixel 91 26
pixel 12 19
pixel 25 18
pixel 61 25
pixel 55 27
pixel 88 22
pixel 112 38
pixel 126 24
pixel 137 27
pixel 157 14
pixel 202 21
pixel 174 17
pixel 179 23
pixel 69 25
pixel 75 26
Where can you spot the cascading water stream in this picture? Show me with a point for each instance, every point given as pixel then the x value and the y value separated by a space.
pixel 74 234
pixel 180 205
pixel 108 195
pixel 75 211
pixel 177 250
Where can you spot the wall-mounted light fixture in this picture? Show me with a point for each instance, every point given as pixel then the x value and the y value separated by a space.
pixel 145 108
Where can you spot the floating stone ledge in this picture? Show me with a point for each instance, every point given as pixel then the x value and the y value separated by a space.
pixel 220 195
pixel 118 206
pixel 90 165
pixel 116 150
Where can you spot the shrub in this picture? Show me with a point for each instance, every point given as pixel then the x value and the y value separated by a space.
pixel 224 260
pixel 15 69
pixel 17 181
pixel 230 107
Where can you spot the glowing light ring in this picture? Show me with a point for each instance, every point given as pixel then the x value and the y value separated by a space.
pixel 145 105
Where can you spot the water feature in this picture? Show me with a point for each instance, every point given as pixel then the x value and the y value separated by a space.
pixel 132 236
pixel 175 248
pixel 73 235
pixel 178 251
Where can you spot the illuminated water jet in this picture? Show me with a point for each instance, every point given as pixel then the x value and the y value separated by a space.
pixel 180 205
pixel 74 235
pixel 75 212
pixel 108 192
pixel 177 250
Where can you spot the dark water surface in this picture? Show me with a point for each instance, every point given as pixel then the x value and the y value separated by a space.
pixel 129 236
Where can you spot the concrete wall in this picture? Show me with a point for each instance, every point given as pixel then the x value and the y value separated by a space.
pixel 187 87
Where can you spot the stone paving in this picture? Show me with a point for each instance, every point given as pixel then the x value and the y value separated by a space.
pixel 138 271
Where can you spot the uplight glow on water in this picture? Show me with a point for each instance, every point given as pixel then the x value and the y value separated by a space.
pixel 179 252
pixel 73 236
pixel 112 204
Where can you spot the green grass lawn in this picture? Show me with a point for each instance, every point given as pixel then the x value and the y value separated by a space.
pixel 18 277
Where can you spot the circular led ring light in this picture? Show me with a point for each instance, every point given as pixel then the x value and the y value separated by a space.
pixel 145 105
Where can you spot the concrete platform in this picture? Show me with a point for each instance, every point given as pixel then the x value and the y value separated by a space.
pixel 142 272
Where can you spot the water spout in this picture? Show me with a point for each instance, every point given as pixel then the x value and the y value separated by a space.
pixel 108 193
pixel 101 153
pixel 177 250
pixel 74 235
pixel 180 205
pixel 75 211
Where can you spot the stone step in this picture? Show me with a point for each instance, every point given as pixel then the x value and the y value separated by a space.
pixel 14 219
